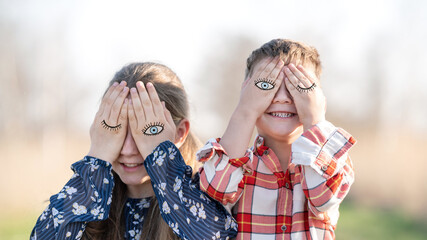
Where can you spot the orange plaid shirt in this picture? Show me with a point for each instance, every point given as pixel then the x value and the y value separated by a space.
pixel 269 203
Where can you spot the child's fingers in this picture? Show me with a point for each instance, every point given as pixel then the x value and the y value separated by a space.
pixel 109 101
pixel 111 89
pixel 245 83
pixel 260 67
pixel 145 101
pixel 168 115
pixel 137 107
pixel 280 78
pixel 133 122
pixel 290 76
pixel 118 105
pixel 277 70
pixel 269 68
pixel 290 86
pixel 157 105
pixel 104 98
pixel 292 72
pixel 308 75
pixel 123 117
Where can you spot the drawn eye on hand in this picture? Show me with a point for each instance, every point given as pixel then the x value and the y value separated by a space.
pixel 304 89
pixel 109 127
pixel 264 83
pixel 153 128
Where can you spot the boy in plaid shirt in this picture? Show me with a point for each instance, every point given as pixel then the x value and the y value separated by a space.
pixel 290 183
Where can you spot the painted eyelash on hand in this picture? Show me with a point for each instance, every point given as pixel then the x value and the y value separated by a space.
pixel 264 83
pixel 152 129
pixel 301 89
pixel 111 128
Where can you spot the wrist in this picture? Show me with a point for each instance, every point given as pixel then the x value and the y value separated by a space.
pixel 101 155
pixel 238 134
pixel 245 114
pixel 310 123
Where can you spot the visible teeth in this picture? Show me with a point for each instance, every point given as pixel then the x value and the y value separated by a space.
pixel 282 115
pixel 130 164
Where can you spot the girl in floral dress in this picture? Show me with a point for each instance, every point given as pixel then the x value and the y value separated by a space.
pixel 137 180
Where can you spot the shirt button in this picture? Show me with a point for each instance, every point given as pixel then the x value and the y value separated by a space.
pixel 259 141
pixel 188 171
pixel 324 168
pixel 287 186
pixel 283 227
pixel 266 152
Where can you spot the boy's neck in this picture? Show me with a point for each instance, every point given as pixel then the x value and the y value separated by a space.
pixel 282 149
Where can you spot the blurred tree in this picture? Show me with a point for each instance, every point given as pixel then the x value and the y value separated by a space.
pixel 221 80
pixel 33 77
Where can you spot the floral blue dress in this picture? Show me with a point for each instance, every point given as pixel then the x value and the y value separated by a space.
pixel 87 197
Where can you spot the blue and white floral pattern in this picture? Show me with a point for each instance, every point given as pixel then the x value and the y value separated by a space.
pixel 189 212
pixel 87 197
pixel 135 211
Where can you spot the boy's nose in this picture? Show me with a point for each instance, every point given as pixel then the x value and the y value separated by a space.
pixel 129 146
pixel 283 95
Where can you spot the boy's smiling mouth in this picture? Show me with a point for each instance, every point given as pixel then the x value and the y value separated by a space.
pixel 282 114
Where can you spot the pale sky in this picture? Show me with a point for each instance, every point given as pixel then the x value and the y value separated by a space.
pixel 96 38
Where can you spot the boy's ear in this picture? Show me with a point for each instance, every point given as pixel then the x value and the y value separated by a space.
pixel 182 130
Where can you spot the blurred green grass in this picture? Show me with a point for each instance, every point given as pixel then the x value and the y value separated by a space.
pixel 18 225
pixel 365 223
pixel 356 223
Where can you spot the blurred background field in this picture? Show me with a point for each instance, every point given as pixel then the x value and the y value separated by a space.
pixel 356 223
pixel 58 56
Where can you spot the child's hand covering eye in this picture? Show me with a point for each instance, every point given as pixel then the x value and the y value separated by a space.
pixel 108 130
pixel 307 94
pixel 150 122
pixel 258 90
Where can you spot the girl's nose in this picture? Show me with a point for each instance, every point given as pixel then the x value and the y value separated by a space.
pixel 129 146
pixel 283 95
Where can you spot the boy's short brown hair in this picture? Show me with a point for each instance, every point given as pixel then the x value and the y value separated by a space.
pixel 289 51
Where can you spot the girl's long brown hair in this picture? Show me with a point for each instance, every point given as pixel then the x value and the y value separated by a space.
pixel 170 90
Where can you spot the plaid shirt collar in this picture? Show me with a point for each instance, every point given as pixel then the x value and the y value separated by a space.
pixel 259 146
pixel 272 162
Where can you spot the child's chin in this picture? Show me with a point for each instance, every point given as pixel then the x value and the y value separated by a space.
pixel 286 131
pixel 286 128
pixel 135 180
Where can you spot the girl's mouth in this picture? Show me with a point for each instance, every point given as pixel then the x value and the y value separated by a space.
pixel 131 166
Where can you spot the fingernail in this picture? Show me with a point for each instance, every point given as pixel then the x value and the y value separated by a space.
pixel 122 83
pixel 133 90
pixel 115 84
pixel 149 84
pixel 125 89
pixel 140 84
